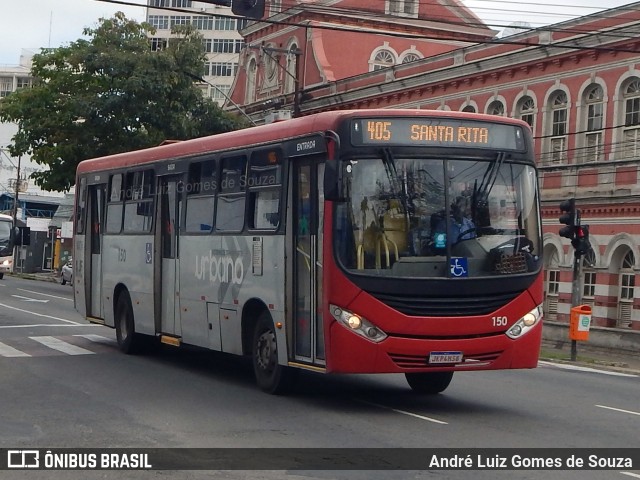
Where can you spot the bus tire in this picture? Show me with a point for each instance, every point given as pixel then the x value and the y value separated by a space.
pixel 271 377
pixel 429 382
pixel 1 275
pixel 128 340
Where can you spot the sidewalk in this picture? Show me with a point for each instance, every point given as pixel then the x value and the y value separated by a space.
pixel 590 356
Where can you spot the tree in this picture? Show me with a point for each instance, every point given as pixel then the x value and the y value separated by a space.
pixel 108 94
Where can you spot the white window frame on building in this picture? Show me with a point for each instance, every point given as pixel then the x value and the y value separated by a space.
pixel 202 22
pixel 589 279
pixel 159 22
pixel 402 8
pixel 594 135
pixel 631 130
pixel 553 286
pixel 559 121
pixel 496 107
pixel 626 291
pixel 382 57
pixel 526 111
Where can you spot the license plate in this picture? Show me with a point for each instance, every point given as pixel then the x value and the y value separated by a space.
pixel 445 357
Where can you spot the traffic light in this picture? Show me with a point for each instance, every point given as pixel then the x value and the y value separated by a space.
pixel 248 8
pixel 581 241
pixel 569 218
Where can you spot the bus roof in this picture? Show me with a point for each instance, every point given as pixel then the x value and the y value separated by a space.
pixel 317 123
pixel 5 218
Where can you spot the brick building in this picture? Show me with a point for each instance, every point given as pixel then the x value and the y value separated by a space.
pixel 577 84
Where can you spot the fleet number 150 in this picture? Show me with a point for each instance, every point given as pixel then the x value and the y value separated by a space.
pixel 499 321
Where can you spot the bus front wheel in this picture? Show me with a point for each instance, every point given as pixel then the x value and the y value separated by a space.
pixel 271 377
pixel 429 382
pixel 128 340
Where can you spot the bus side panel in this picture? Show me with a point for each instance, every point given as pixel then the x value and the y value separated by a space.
pixel 79 287
pixel 125 262
pixel 218 277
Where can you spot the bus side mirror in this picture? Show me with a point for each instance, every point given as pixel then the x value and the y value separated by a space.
pixel 334 181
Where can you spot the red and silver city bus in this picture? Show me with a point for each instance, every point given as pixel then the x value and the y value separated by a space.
pixel 333 243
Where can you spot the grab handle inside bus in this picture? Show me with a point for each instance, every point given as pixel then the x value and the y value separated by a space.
pixel 333 170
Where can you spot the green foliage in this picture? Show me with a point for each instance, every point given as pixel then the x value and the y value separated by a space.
pixel 110 94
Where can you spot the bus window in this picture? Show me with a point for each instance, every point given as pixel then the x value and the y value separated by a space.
pixel 231 200
pixel 264 182
pixel 80 206
pixel 138 209
pixel 114 208
pixel 201 188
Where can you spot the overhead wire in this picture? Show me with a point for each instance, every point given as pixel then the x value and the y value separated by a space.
pixel 342 28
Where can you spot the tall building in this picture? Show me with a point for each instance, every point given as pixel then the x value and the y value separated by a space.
pixel 222 42
pixel 12 78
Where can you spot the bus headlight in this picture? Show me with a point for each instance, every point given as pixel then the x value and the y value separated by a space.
pixel 357 324
pixel 7 262
pixel 526 323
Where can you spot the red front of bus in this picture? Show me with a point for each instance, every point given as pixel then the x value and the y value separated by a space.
pixel 432 256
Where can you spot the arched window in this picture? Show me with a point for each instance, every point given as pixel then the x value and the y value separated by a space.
pixel 559 105
pixel 594 102
pixel 250 94
pixel 383 59
pixel 496 108
pixel 410 57
pixel 290 76
pixel 631 135
pixel 469 108
pixel 526 110
pixel 625 288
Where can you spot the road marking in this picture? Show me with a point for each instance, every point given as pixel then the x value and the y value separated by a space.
pixel 618 410
pixel 29 299
pixel 39 314
pixel 8 351
pixel 97 338
pixel 584 369
pixel 46 294
pixel 61 346
pixel 634 475
pixel 403 412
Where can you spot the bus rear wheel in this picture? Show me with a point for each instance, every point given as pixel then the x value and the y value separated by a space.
pixel 429 382
pixel 128 340
pixel 271 377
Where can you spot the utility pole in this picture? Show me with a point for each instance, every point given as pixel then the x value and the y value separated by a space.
pixel 16 248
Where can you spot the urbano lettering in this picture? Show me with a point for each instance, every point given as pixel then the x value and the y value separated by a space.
pixel 219 268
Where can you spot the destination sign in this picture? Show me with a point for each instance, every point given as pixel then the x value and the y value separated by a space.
pixel 437 132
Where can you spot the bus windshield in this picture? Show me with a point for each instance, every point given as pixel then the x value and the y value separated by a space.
pixel 427 217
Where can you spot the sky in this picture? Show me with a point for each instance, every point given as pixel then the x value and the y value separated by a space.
pixel 31 24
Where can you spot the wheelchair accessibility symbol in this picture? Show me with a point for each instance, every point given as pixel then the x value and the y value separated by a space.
pixel 459 267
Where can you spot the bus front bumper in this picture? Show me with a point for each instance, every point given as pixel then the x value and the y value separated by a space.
pixel 352 354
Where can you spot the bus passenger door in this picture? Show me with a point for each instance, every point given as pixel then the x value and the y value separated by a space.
pixel 169 282
pixel 96 209
pixel 308 213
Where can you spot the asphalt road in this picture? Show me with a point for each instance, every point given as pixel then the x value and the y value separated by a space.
pixel 64 384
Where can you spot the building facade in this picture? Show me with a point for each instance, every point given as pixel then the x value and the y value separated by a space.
pixel 222 42
pixel 577 84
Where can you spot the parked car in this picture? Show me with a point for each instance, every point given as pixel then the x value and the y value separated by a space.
pixel 67 272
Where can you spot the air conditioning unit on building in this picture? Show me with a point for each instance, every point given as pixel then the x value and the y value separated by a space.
pixel 278 116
